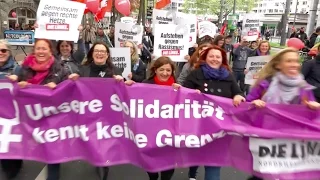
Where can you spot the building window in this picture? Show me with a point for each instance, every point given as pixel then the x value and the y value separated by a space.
pixel 23 12
pixel 304 2
pixel 270 10
pixel 275 10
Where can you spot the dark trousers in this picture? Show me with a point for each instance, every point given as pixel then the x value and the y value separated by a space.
pixel 53 172
pixel 87 47
pixel 255 178
pixel 193 172
pixel 11 167
pixel 211 172
pixel 165 175
pixel 239 76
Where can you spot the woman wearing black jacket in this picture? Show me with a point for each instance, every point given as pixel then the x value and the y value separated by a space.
pixel 162 73
pixel 138 68
pixel 99 63
pixel 69 59
pixel 212 75
pixel 42 68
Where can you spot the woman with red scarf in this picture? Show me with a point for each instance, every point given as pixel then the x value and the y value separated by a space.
pixel 41 68
pixel 162 73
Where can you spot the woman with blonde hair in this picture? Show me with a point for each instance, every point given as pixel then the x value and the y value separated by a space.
pixel 138 68
pixel 263 49
pixel 280 82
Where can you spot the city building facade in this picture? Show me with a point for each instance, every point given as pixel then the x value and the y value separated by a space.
pixel 25 11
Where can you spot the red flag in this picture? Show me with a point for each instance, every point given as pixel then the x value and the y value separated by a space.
pixel 104 8
pixel 162 3
pixel 223 29
pixel 84 2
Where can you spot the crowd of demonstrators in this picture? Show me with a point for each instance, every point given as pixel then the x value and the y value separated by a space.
pixel 207 71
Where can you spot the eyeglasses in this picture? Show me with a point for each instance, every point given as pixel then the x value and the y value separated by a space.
pixel 100 51
pixel 4 50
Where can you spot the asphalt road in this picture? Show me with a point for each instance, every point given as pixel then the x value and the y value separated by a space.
pixel 77 170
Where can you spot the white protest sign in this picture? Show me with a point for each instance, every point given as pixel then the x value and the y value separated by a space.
pixel 277 156
pixel 207 28
pixel 254 65
pixel 59 21
pixel 162 17
pixel 171 41
pixel 251 27
pixel 128 20
pixel 127 32
pixel 190 20
pixel 121 58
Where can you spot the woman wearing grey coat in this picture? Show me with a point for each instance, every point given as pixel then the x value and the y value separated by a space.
pixel 188 67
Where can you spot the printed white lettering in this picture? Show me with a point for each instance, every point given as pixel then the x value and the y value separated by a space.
pixel 53 135
pixel 166 138
pixel 188 109
pixel 118 131
pixel 37 112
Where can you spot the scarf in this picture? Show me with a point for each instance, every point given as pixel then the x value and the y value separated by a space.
pixel 217 74
pixel 42 70
pixel 284 89
pixel 169 82
pixel 100 71
pixel 259 53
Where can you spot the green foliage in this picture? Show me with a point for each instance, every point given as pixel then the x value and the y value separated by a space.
pixel 213 7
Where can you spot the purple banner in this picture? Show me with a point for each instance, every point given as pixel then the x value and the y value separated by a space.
pixel 155 127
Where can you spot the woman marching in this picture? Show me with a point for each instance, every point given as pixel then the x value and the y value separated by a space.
pixel 212 75
pixel 99 65
pixel 162 73
pixel 280 82
pixel 8 66
pixel 42 68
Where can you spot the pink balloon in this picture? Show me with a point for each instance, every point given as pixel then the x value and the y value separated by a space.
pixel 295 43
pixel 123 6
pixel 14 14
pixel 93 5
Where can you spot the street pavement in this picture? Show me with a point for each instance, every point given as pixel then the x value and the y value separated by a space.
pixel 78 170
